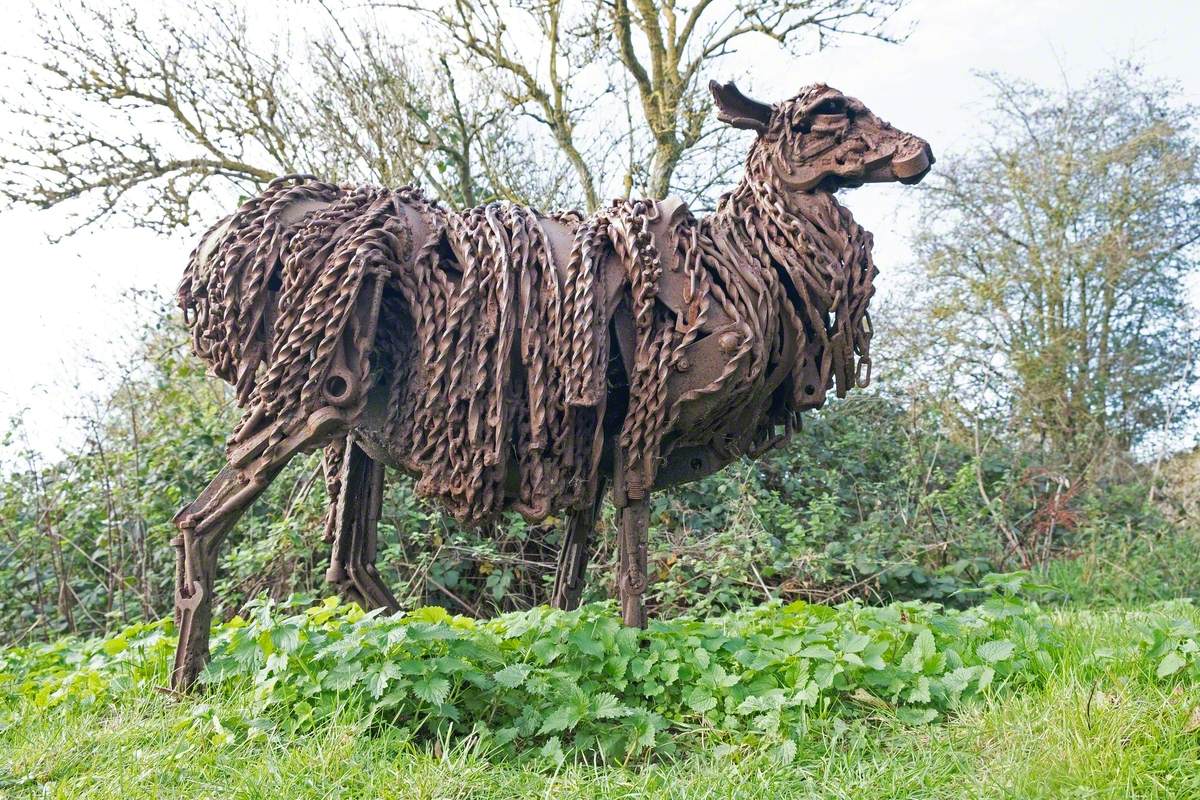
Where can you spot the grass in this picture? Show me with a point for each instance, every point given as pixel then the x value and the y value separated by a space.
pixel 1097 728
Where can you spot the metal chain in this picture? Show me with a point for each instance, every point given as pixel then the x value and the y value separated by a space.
pixel 491 360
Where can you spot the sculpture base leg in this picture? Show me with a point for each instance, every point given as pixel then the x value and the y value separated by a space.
pixel 204 524
pixel 193 610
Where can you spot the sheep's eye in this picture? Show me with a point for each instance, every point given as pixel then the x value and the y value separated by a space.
pixel 832 106
pixel 803 126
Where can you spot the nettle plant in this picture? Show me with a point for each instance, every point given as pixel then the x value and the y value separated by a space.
pixel 560 683
pixel 555 684
pixel 1171 644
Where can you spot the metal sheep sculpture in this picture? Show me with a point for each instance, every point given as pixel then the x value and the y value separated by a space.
pixel 511 359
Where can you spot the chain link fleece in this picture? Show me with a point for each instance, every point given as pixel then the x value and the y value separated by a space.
pixel 488 356
pixel 495 361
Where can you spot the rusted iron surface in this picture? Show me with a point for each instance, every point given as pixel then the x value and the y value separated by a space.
pixel 510 359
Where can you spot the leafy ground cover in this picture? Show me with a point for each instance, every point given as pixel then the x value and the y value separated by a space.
pixel 1079 703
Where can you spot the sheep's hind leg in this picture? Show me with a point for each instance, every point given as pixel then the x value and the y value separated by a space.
pixel 631 577
pixel 204 523
pixel 633 516
pixel 573 556
pixel 356 524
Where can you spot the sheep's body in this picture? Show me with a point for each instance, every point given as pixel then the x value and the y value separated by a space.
pixel 510 359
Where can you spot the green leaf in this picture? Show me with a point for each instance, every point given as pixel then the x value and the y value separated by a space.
pixel 286 638
pixel 958 680
pixel 639 668
pixel 819 652
pixel 433 690
pixel 854 643
pixel 720 678
pixel 377 680
pixel 547 650
pixel 512 676
pixel 560 719
pixel 244 650
pixel 115 645
pixel 606 706
pixel 998 650
pixel 218 670
pixel 920 692
pixel 923 649
pixel 586 644
pixel 700 701
pixel 393 698
pixel 506 735
pixel 552 750
pixel 1171 663
pixel 277 663
pixel 343 676
pixel 872 656
pixel 916 716
pixel 755 704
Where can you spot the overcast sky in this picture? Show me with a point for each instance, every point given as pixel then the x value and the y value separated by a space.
pixel 60 308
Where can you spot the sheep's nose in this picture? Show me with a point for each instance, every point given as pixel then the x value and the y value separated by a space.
pixel 916 164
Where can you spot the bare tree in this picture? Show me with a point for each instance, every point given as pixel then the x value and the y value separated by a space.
pixel 504 40
pixel 561 62
pixel 387 112
pixel 149 117
pixel 380 118
pixel 143 121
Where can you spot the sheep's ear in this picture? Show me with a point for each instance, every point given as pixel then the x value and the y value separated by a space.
pixel 735 109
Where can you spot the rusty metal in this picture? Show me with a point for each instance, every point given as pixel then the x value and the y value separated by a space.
pixel 510 359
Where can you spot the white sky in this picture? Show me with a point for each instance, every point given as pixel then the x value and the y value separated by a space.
pixel 60 309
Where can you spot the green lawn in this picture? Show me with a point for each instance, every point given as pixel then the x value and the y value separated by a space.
pixel 1097 727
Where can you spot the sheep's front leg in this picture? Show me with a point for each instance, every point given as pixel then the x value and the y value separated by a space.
pixel 355 538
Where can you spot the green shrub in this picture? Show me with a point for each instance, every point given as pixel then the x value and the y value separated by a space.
pixel 73 671
pixel 878 498
pixel 578 683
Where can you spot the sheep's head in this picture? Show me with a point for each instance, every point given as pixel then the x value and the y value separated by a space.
pixel 822 140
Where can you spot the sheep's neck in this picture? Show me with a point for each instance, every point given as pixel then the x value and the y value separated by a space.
pixel 812 243
pixel 817 214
